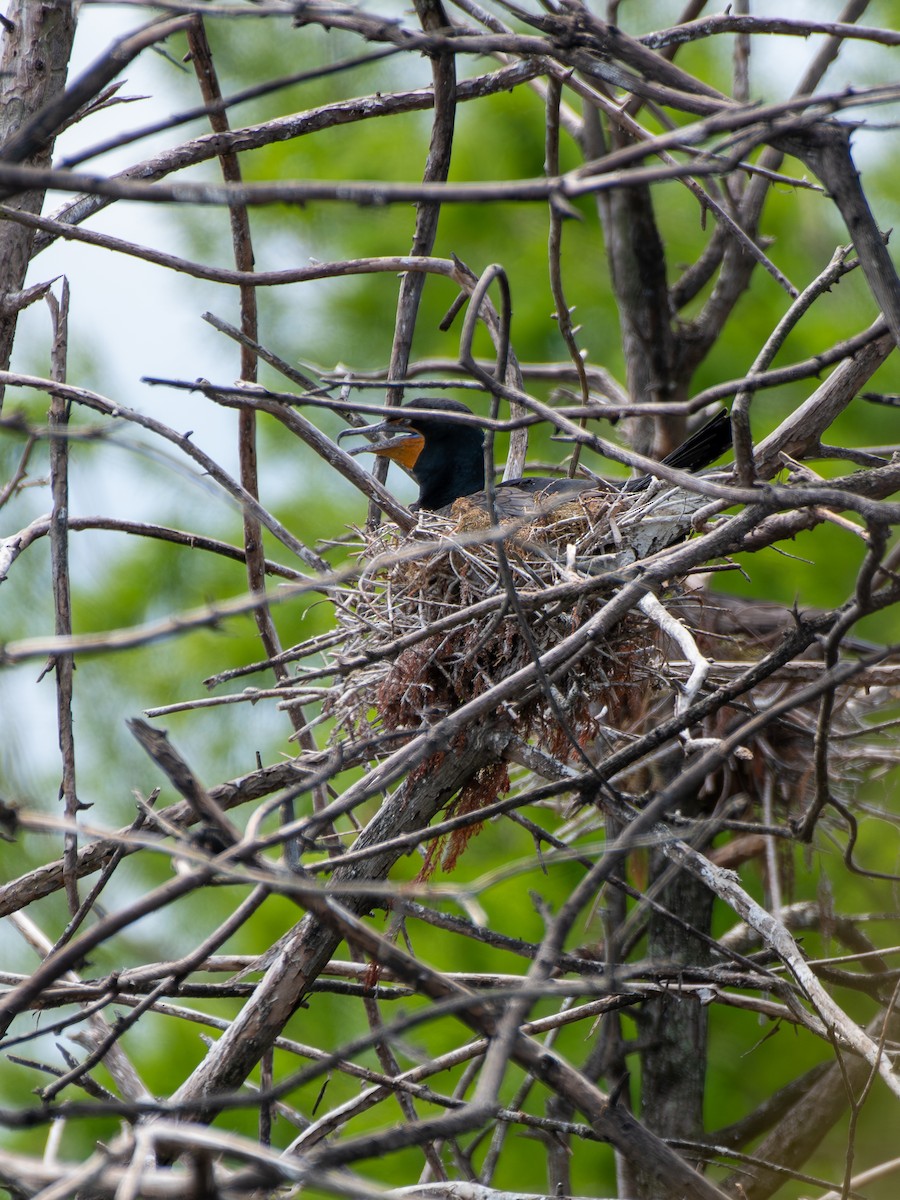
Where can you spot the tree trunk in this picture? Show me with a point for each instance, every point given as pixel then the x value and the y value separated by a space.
pixel 35 58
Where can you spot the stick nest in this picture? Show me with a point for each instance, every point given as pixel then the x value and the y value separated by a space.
pixel 431 615
pixel 429 627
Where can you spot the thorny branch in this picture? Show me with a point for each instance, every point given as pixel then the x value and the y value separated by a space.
pixel 636 758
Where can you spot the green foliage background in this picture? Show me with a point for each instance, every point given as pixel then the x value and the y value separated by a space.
pixel 121 583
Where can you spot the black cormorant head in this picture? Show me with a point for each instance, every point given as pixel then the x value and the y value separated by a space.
pixel 444 455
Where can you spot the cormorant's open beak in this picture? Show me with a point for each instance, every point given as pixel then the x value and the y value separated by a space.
pixel 404 450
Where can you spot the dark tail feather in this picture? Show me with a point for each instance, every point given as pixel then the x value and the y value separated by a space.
pixel 700 449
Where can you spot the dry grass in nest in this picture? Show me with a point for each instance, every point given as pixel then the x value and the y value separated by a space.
pixel 422 672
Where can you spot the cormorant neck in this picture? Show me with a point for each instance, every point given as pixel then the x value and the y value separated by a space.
pixel 450 465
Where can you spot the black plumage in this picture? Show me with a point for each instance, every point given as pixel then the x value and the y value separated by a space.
pixel 446 458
